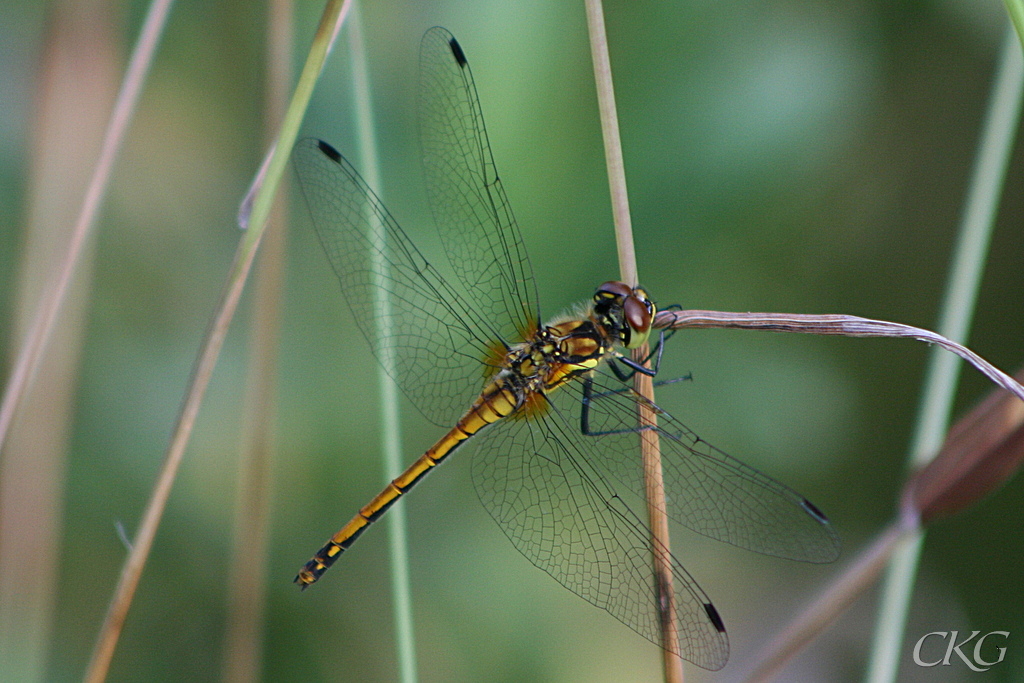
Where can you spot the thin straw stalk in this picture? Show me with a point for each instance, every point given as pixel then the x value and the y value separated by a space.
pixel 209 351
pixel 654 487
pixel 243 641
pixel 390 418
pixel 32 348
pixel 77 79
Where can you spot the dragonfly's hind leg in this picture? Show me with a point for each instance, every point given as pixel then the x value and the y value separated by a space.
pixel 590 396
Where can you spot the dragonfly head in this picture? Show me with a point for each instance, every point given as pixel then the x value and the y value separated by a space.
pixel 625 312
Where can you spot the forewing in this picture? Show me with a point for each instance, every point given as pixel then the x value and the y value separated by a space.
pixel 418 326
pixel 706 490
pixel 473 216
pixel 535 480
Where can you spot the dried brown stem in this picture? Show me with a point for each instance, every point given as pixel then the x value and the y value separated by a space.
pixel 841 325
pixel 131 572
pixel 31 351
pixel 244 632
pixel 649 446
pixel 77 76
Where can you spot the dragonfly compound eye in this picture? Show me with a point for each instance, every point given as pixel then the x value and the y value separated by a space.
pixel 612 290
pixel 638 312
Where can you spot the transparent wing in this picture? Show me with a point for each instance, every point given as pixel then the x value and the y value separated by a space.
pixel 472 213
pixel 421 329
pixel 536 479
pixel 706 490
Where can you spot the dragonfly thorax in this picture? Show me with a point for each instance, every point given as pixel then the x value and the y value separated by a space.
pixel 570 347
pixel 557 353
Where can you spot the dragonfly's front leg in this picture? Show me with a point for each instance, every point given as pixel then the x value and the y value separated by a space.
pixel 634 366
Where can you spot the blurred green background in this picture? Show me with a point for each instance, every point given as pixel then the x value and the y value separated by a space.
pixel 802 156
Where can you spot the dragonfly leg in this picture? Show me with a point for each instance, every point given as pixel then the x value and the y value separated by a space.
pixel 635 367
pixel 629 390
pixel 588 397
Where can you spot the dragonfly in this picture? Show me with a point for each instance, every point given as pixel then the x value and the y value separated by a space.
pixel 546 404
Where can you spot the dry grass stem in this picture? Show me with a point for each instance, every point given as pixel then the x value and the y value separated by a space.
pixel 78 74
pixel 243 646
pixel 840 325
pixel 612 143
pixel 983 451
pixel 131 572
pixel 861 573
pixel 46 316
pixel 142 543
pixel 649 446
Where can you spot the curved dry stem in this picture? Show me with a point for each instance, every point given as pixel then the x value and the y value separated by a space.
pixel 841 325
pixel 957 480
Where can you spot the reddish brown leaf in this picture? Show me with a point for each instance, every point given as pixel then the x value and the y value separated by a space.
pixel 982 451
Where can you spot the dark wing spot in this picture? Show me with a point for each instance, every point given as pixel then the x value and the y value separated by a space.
pixel 460 56
pixel 716 620
pixel 814 511
pixel 329 151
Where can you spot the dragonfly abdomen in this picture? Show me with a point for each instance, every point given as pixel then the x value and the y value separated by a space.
pixel 499 400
